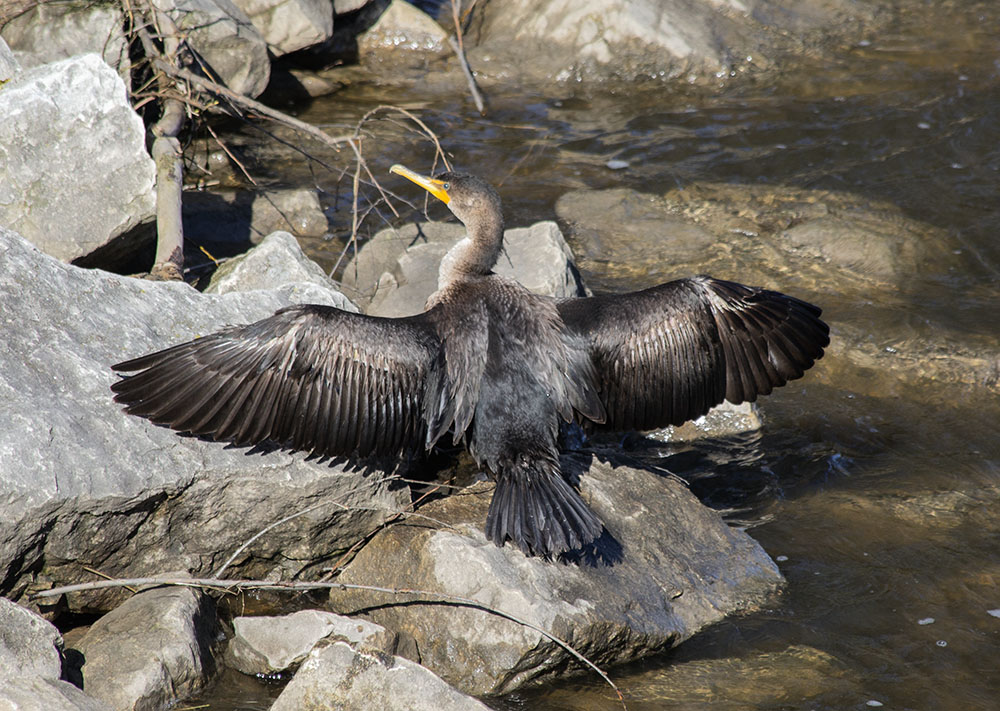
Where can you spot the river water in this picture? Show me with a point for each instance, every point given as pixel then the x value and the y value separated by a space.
pixel 878 495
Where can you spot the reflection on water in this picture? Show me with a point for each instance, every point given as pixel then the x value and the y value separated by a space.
pixel 878 498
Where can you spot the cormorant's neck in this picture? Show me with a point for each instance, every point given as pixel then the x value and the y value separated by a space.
pixel 477 253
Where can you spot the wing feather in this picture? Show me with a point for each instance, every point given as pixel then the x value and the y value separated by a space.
pixel 668 354
pixel 311 377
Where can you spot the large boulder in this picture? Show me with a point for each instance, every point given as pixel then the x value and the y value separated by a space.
pixel 83 485
pixel 290 25
pixel 666 567
pixel 74 172
pixel 51 31
pixel 151 651
pixel 631 39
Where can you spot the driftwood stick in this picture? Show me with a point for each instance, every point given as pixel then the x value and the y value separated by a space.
pixel 429 597
pixel 458 45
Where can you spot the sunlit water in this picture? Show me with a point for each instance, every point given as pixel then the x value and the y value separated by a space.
pixel 880 503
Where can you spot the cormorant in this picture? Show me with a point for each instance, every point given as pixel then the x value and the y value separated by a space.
pixel 488 361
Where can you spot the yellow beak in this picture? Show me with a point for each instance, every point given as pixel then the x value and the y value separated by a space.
pixel 434 187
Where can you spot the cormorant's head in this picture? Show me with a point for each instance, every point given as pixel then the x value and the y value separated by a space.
pixel 470 198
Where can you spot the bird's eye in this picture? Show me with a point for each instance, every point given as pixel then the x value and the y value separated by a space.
pixel 446 186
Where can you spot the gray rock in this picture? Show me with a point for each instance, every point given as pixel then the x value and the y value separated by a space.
pixel 266 645
pixel 80 481
pixel 40 694
pixel 403 26
pixel 9 65
pixel 339 678
pixel 707 42
pixel 666 568
pixel 227 41
pixel 74 172
pixel 30 646
pixel 275 262
pixel 52 31
pixel 290 25
pixel 151 651
pixel 403 265
pixel 342 7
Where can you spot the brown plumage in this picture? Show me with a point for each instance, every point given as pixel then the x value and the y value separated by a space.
pixel 489 362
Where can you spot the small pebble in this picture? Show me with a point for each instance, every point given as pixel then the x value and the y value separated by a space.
pixel 924 125
pixel 617 164
pixel 873 702
pixel 926 621
pixel 942 643
pixel 781 558
pixel 995 613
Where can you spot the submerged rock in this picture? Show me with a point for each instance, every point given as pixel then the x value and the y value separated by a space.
pixel 151 651
pixel 666 567
pixel 781 237
pixel 74 172
pixel 81 482
pixel 338 677
pixel 269 645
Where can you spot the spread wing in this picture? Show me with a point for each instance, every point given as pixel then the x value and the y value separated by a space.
pixel 311 377
pixel 667 354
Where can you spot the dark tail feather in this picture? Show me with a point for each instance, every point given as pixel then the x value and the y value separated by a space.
pixel 536 508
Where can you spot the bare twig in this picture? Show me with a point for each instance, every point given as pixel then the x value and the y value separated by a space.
pixel 430 597
pixel 458 45
pixel 252 105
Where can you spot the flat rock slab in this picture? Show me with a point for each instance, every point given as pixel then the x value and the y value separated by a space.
pixel 74 172
pixel 339 678
pixel 82 484
pixel 151 651
pixel 666 567
pixel 269 645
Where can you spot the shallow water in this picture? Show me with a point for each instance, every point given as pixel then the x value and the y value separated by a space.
pixel 879 497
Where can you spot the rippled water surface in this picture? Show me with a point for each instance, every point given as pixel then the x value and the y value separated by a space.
pixel 878 494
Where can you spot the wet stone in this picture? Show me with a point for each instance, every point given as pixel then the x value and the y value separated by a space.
pixel 339 678
pixel 269 645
